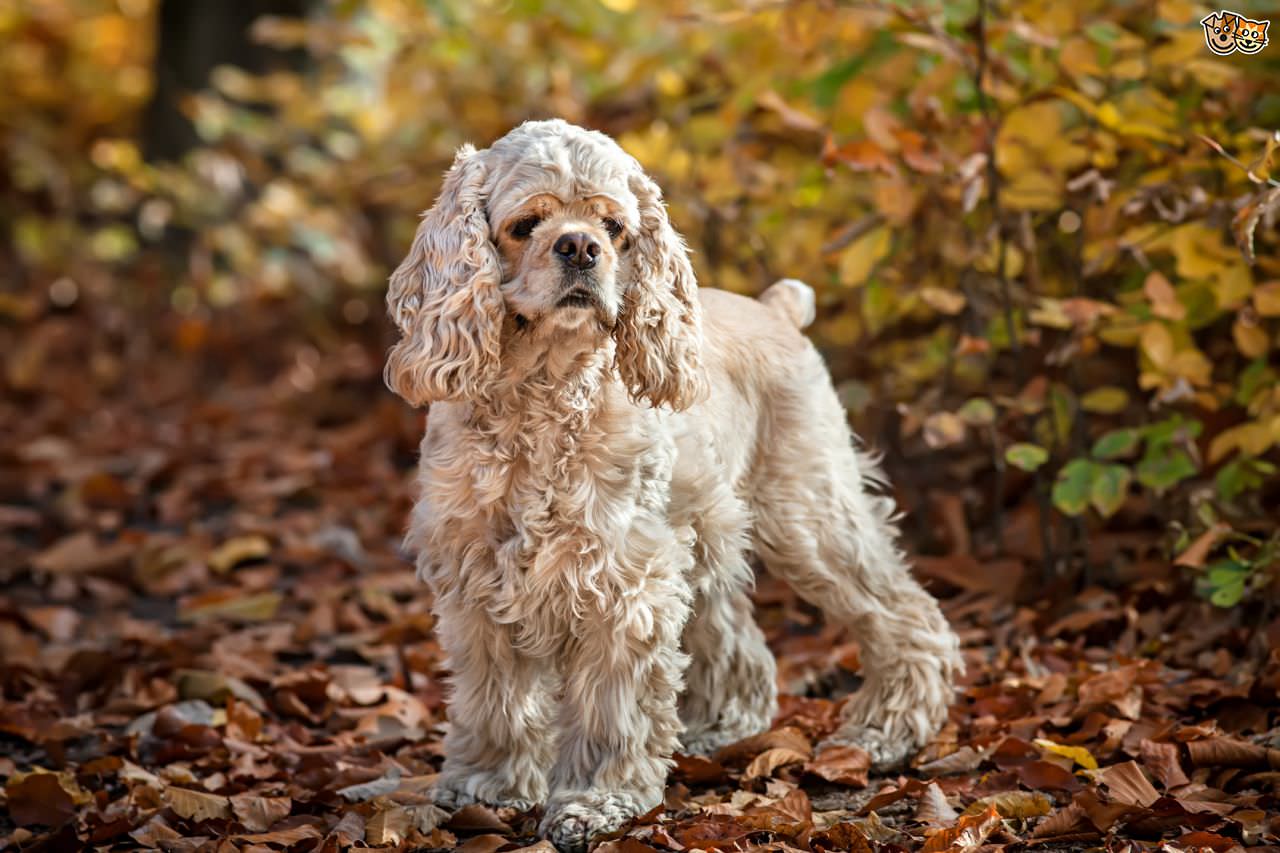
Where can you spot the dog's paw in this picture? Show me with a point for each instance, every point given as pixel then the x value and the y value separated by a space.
pixel 452 791
pixel 711 740
pixel 887 751
pixel 570 824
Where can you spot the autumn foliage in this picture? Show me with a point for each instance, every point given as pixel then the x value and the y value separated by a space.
pixel 1042 237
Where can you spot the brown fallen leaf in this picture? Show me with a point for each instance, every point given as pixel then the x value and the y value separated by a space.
pixel 487 843
pixel 1041 775
pixel 966 759
pixel 1015 805
pixel 626 844
pixel 1197 553
pixel 1128 784
pixel 846 836
pixel 969 832
pixel 258 814
pixel 1163 761
pixel 286 837
pixel 770 760
pixel 1232 752
pixel 786 737
pixel 81 553
pixel 1201 840
pixel 844 765
pixel 697 769
pixel 1069 820
pixel 42 797
pixel 197 805
pixel 387 827
pixel 933 808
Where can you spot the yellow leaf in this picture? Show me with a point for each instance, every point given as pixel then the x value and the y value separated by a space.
pixel 857 261
pixel 1078 754
pixel 1192 365
pixel 1234 285
pixel 1251 439
pixel 1251 339
pixel 1157 343
pixel 1266 299
pixel 1107 400
pixel 1108 115
pixel 240 549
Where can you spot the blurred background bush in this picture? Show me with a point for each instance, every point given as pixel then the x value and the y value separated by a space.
pixel 1041 232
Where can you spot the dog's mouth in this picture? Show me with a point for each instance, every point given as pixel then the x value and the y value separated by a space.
pixel 578 297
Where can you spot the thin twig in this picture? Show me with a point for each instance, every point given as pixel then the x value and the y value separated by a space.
pixel 1248 172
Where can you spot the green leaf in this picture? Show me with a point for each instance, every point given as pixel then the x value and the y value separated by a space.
pixel 1108 400
pixel 1026 456
pixel 1228 595
pixel 1165 468
pixel 1072 489
pixel 1117 443
pixel 1242 475
pixel 978 412
pixel 1109 488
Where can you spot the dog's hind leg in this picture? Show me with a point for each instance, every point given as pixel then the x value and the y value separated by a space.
pixel 820 526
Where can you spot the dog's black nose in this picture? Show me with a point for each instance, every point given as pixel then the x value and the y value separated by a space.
pixel 577 250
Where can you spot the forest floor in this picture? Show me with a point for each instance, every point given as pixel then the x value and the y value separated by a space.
pixel 209 640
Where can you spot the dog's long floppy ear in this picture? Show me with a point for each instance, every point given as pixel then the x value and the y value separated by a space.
pixel 444 297
pixel 659 330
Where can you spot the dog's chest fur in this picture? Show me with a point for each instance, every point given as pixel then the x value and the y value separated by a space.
pixel 545 515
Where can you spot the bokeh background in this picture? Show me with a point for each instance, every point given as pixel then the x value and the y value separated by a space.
pixel 1041 232
pixel 1043 239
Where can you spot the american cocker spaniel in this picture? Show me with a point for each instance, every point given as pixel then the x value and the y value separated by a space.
pixel 607 447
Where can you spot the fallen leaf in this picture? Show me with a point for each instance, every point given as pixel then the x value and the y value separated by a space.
pixel 259 813
pixel 197 805
pixel 1078 754
pixel 933 808
pixel 1017 805
pixel 969 832
pixel 844 765
pixel 380 787
pixel 240 549
pixel 80 553
pixel 770 760
pixel 42 797
pixel 1162 760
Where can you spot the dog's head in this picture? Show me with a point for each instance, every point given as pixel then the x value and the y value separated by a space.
pixel 1220 32
pixel 554 234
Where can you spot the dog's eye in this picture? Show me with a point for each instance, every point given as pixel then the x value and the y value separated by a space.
pixel 613 226
pixel 522 229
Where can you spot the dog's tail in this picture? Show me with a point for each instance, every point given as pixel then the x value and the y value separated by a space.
pixel 794 299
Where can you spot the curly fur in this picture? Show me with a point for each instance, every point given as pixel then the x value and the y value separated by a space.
pixel 594 476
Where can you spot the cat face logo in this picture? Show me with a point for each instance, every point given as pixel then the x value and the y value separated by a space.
pixel 1251 36
pixel 1227 32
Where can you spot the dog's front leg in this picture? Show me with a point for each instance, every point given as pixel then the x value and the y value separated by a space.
pixel 501 709
pixel 619 720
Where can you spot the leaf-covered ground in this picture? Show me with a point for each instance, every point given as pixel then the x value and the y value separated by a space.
pixel 211 642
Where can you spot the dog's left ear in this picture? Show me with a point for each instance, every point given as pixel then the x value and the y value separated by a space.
pixel 659 330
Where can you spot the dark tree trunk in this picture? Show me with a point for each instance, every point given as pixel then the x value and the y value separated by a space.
pixel 192 38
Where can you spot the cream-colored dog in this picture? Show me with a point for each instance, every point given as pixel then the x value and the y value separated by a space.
pixel 607 446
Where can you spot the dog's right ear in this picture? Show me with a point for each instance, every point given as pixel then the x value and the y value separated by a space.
pixel 444 296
